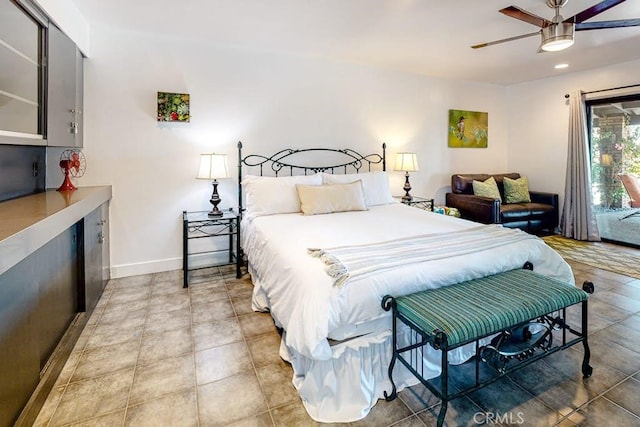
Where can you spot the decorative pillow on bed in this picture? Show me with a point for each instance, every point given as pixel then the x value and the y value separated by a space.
pixel 488 188
pixel 375 185
pixel 516 190
pixel 324 199
pixel 275 195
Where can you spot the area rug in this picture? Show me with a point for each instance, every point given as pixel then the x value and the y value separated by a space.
pixel 596 255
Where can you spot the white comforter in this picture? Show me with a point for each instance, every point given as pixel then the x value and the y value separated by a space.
pixel 302 298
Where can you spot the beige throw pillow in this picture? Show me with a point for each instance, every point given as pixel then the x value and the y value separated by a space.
pixel 488 188
pixel 516 190
pixel 374 184
pixel 324 199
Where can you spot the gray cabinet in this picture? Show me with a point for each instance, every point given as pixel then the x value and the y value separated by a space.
pixel 79 121
pixel 20 78
pixel 38 301
pixel 64 91
pixel 96 256
pixel 45 302
pixel 57 269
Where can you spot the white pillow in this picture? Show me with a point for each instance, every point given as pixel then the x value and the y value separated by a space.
pixel 274 195
pixel 375 185
pixel 324 199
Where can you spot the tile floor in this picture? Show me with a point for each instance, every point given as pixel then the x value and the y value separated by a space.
pixel 155 354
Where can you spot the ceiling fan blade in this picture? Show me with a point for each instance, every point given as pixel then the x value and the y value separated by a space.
pixel 477 46
pixel 523 15
pixel 593 11
pixel 620 23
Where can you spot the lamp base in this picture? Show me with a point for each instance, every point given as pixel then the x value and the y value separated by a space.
pixel 407 187
pixel 215 201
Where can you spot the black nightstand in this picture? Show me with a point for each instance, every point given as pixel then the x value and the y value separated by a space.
pixel 417 202
pixel 198 225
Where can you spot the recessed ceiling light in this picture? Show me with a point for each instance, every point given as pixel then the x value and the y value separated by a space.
pixel 561 66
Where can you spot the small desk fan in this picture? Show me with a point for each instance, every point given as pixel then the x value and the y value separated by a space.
pixel 73 164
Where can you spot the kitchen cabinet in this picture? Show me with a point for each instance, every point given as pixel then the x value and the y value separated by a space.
pixel 64 91
pixel 54 264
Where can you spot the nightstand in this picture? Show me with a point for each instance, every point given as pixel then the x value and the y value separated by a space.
pixel 198 225
pixel 417 202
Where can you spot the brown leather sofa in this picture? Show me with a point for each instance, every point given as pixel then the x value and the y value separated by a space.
pixel 540 215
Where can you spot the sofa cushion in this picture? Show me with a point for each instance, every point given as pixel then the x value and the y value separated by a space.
pixel 539 209
pixel 487 188
pixel 516 190
pixel 463 184
pixel 521 211
pixel 514 211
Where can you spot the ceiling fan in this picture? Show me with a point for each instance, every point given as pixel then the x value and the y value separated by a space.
pixel 557 33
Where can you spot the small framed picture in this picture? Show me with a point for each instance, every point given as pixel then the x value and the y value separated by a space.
pixel 173 107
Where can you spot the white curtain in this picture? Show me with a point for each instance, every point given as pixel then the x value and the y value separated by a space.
pixel 578 219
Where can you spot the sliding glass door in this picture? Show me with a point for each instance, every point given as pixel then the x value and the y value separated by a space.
pixel 614 132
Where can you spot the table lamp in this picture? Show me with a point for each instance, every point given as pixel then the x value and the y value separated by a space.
pixel 407 162
pixel 213 166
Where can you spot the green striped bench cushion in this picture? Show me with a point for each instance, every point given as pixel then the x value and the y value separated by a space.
pixel 480 307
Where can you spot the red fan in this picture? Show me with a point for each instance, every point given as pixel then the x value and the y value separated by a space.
pixel 73 164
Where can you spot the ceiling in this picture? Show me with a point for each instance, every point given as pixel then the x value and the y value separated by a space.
pixel 427 37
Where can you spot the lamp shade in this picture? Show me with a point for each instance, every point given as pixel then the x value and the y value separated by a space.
pixel 213 166
pixel 407 162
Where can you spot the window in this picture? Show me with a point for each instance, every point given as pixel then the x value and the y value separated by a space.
pixel 21 83
pixel 614 133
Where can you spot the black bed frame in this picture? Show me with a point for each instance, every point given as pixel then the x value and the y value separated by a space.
pixel 283 163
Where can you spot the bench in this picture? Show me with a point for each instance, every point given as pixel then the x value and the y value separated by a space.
pixel 509 316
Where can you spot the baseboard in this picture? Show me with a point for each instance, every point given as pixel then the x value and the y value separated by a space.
pixel 136 269
pixel 159 266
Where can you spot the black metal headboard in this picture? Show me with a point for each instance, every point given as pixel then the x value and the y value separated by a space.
pixel 329 160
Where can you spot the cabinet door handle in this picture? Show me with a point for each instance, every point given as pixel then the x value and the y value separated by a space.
pixel 101 237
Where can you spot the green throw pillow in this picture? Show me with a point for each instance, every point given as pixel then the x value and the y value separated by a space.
pixel 516 190
pixel 488 188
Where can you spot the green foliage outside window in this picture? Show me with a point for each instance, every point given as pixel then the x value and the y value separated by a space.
pixel 614 150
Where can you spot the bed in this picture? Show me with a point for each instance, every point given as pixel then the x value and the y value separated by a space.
pixel 325 242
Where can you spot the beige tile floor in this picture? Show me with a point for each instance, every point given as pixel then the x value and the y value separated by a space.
pixel 155 354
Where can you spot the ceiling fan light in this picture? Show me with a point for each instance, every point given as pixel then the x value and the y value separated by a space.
pixel 557 37
pixel 557 45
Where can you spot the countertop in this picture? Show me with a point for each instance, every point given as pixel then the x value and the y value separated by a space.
pixel 28 223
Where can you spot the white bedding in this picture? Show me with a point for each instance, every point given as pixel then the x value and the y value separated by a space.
pixel 341 382
pixel 301 297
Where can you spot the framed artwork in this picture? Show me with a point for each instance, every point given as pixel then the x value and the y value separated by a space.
pixel 468 129
pixel 173 107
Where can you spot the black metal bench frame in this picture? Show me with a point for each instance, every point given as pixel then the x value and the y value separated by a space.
pixel 438 340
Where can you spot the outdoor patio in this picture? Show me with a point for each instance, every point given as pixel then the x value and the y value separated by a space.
pixel 613 228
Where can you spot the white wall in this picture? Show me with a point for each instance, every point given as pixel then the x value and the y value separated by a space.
pixel 269 101
pixel 539 119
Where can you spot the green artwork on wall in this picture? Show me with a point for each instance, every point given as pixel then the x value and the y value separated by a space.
pixel 468 129
pixel 173 107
